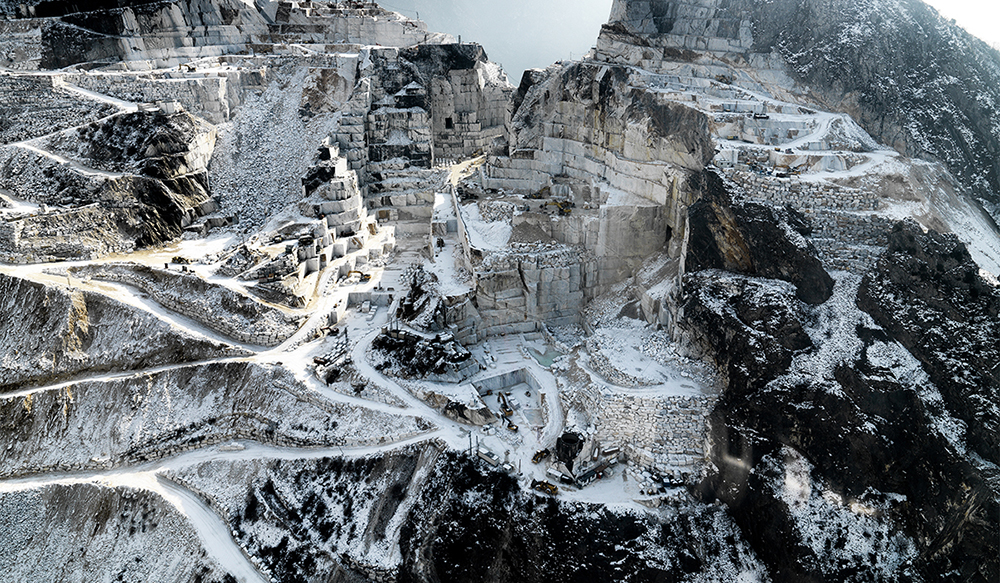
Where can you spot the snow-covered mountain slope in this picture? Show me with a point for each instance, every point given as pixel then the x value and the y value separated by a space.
pixel 50 333
pixel 301 291
pixel 913 80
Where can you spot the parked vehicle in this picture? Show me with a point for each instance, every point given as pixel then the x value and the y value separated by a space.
pixel 488 456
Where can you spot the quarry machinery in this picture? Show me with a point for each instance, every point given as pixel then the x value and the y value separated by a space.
pixel 505 407
pixel 545 487
pixel 563 206
pixel 540 455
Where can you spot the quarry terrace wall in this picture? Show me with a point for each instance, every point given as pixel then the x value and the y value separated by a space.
pixel 309 22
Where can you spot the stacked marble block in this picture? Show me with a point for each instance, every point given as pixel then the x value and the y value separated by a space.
pixel 351 135
pixel 315 251
pixel 332 196
pixel 805 194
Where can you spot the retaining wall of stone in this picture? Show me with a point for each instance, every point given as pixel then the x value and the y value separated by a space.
pixel 804 194
pixel 656 431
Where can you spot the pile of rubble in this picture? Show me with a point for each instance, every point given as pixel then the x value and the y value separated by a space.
pixel 416 356
pixel 422 306
pixel 603 366
pixel 495 210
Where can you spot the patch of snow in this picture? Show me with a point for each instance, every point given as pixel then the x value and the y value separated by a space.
pixel 833 331
pixel 839 531
pixel 483 235
pixel 908 370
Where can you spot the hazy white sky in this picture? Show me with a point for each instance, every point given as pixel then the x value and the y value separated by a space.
pixel 980 17
pixel 519 34
pixel 522 34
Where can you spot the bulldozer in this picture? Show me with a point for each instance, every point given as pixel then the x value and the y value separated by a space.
pixel 545 487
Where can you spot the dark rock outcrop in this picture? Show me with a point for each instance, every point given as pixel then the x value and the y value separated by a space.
pixel 751 328
pixel 456 521
pixel 529 79
pixel 851 411
pixel 927 293
pixel 752 239
pixel 530 538
pixel 55 8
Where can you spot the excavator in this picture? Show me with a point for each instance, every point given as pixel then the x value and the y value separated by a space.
pixel 365 277
pixel 564 207
pixel 543 193
pixel 505 407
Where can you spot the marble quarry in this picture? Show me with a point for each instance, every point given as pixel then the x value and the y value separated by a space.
pixel 388 257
